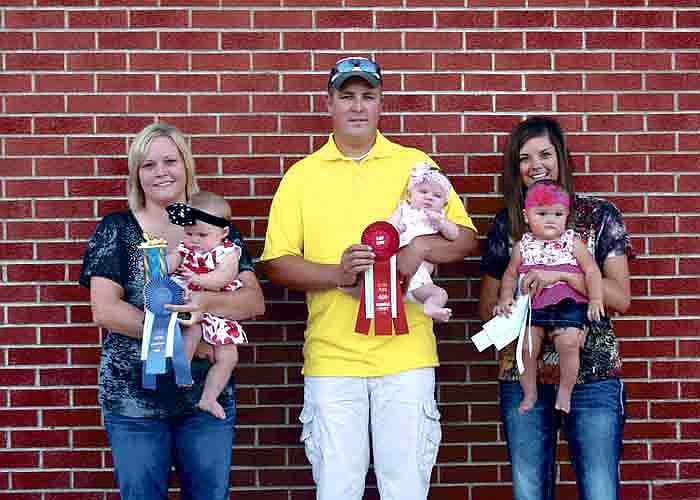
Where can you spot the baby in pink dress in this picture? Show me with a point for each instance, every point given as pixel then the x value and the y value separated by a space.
pixel 559 309
pixel 206 260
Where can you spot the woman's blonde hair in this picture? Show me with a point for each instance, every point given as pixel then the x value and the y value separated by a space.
pixel 139 150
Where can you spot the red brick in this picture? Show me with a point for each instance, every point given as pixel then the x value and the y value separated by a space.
pixel 40 356
pixel 518 61
pixel 65 40
pixel 67 376
pixel 645 19
pixel 162 61
pixel 227 19
pixel 646 142
pixel 15 251
pixel 15 83
pixel 158 18
pixel 188 40
pixel 445 40
pixel 554 82
pixel 102 18
pixel 250 40
pixel 90 103
pixel 41 480
pixel 403 19
pixel 613 81
pixel 19 460
pixel 158 103
pixel 486 82
pixel 11 293
pixel 60 459
pixel 456 144
pixel 218 103
pixel 585 18
pixel 96 187
pixel 524 102
pixel 554 40
pixel 504 41
pixel 36 315
pixel 687 61
pixel 63 125
pixel 465 18
pixel 613 40
pixel 311 40
pixel 64 166
pixel 96 146
pixel 644 184
pixel 361 41
pixel 126 40
pixel 461 103
pixel 40 397
pixel 126 83
pixel 34 146
pixel 12 40
pixel 432 82
pixel 270 19
pixel 690 390
pixel 578 61
pixel 34 62
pixel 642 61
pixel 524 19
pixel 35 18
pixel 643 471
pixel 11 126
pixel 98 61
pixel 433 123
pixel 286 61
pixel 672 40
pixel 462 62
pixel 338 19
pixel 673 491
pixel 686 225
pixel 645 102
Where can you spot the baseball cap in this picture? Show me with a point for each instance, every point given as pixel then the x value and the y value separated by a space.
pixel 350 67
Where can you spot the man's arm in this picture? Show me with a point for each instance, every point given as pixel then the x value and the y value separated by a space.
pixel 294 272
pixel 435 249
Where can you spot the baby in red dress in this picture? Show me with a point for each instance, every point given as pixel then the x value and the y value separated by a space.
pixel 206 260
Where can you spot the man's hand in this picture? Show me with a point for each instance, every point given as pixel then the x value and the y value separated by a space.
pixel 409 259
pixel 356 259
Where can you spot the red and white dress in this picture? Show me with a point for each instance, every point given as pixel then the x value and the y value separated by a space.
pixel 215 329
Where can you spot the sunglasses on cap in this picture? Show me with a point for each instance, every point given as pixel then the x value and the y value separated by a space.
pixel 349 67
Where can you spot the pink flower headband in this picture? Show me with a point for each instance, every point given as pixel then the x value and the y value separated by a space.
pixel 424 172
pixel 546 194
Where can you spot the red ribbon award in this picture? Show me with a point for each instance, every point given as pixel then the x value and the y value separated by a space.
pixel 381 299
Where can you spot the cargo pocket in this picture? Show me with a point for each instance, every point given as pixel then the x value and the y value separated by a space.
pixel 431 435
pixel 309 436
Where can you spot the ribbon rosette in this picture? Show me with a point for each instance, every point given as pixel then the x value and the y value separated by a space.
pixel 162 337
pixel 380 298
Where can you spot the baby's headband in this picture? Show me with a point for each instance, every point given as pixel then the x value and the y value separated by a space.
pixel 424 172
pixel 546 194
pixel 184 215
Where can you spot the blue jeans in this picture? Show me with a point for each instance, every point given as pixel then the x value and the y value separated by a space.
pixel 199 444
pixel 593 430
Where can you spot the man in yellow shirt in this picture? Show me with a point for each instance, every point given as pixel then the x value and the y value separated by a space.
pixel 354 383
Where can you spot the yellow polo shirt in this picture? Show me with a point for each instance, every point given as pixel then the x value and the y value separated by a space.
pixel 321 207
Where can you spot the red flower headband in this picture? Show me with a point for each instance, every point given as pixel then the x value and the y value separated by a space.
pixel 546 194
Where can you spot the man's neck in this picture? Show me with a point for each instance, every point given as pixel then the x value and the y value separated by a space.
pixel 355 150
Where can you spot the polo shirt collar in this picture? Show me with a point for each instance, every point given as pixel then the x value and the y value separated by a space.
pixel 381 149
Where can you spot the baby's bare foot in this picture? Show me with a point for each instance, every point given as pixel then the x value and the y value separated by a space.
pixel 213 407
pixel 437 313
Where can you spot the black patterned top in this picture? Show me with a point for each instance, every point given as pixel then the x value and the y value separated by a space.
pixel 600 224
pixel 113 253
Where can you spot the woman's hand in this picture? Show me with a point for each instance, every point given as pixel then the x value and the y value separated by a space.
pixel 595 310
pixel 205 351
pixel 503 308
pixel 538 279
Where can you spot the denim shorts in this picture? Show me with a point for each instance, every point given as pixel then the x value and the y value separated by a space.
pixel 565 314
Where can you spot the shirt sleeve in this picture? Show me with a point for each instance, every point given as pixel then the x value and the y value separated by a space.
pixel 285 223
pixel 103 255
pixel 497 248
pixel 613 238
pixel 245 263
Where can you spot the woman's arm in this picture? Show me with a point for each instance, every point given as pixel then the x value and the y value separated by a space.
pixel 245 303
pixel 616 284
pixel 594 280
pixel 110 311
pixel 509 283
pixel 488 297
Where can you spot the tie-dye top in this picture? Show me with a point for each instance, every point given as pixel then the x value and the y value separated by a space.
pixel 599 223
pixel 113 253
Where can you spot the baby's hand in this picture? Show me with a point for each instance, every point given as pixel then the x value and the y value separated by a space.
pixel 595 310
pixel 435 218
pixel 503 308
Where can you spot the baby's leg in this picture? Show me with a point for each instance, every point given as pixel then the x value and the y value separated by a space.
pixel 191 337
pixel 528 378
pixel 433 299
pixel 567 342
pixel 226 359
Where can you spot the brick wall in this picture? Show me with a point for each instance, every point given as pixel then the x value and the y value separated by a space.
pixel 245 79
